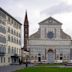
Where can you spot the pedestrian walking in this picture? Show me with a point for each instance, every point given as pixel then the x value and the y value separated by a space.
pixel 26 64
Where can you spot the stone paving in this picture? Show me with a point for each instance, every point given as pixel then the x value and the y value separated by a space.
pixel 12 68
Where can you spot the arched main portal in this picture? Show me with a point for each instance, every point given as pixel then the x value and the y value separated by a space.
pixel 51 56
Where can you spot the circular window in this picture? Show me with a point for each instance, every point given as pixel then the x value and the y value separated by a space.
pixel 50 35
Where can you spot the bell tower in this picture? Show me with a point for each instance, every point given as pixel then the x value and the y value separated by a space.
pixel 26 31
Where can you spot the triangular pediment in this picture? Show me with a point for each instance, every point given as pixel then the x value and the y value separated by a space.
pixel 50 21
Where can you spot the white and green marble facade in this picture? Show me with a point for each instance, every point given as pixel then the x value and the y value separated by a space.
pixel 50 44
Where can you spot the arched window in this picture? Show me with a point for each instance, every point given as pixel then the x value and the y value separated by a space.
pixel 50 50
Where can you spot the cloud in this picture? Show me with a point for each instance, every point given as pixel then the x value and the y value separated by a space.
pixel 57 9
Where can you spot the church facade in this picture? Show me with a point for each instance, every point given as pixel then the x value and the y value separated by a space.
pixel 50 44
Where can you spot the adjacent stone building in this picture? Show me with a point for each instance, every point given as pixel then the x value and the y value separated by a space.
pixel 10 39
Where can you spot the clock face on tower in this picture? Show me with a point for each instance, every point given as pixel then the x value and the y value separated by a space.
pixel 50 35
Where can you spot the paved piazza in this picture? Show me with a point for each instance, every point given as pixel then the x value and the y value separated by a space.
pixel 11 68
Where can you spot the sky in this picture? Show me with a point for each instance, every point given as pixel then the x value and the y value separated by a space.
pixel 39 10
